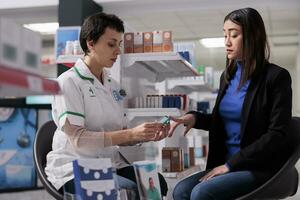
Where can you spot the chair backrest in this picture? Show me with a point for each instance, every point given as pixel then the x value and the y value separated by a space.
pixel 285 182
pixel 42 145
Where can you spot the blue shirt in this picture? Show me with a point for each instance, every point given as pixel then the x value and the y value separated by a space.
pixel 231 111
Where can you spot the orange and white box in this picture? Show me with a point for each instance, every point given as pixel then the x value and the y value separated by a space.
pixel 138 42
pixel 157 41
pixel 128 42
pixel 148 41
pixel 167 45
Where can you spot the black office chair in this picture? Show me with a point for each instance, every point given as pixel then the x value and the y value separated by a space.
pixel 42 145
pixel 285 182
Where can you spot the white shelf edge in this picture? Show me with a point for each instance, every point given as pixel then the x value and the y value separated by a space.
pixel 151 112
pixel 189 84
pixel 61 59
pixel 18 83
pixel 162 59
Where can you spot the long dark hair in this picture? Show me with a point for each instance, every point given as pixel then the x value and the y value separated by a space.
pixel 256 50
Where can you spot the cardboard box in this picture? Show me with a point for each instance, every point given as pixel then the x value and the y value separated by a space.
pixel 148 41
pixel 192 156
pixel 10 44
pixel 31 51
pixel 128 42
pixel 167 44
pixel 173 157
pixel 138 42
pixel 157 41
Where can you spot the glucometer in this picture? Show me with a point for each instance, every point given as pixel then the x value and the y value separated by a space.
pixel 165 120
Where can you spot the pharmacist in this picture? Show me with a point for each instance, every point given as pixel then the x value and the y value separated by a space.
pixel 89 114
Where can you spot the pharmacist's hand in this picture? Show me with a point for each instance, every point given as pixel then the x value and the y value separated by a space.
pixel 147 131
pixel 223 169
pixel 163 133
pixel 187 120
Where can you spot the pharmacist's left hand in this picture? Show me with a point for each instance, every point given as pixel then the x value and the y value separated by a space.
pixel 162 133
pixel 223 169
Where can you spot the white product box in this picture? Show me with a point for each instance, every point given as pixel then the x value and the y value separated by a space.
pixel 157 41
pixel 10 44
pixel 138 42
pixel 31 51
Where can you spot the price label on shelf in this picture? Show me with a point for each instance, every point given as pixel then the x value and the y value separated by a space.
pixel 35 83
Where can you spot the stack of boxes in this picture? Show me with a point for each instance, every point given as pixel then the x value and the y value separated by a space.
pixel 191 152
pixel 172 159
pixel 20 48
pixel 145 42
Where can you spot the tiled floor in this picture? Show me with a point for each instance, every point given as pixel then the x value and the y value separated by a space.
pixel 43 195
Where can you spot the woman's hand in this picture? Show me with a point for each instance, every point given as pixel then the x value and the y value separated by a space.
pixel 163 133
pixel 223 169
pixel 187 120
pixel 149 131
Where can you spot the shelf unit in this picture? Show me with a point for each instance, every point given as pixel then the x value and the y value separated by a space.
pixel 156 66
pixel 68 60
pixel 18 83
pixel 188 84
pixel 151 112
pixel 183 174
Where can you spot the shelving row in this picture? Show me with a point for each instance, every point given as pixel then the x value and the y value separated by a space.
pixel 18 83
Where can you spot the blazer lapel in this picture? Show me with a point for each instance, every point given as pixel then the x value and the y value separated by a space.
pixel 222 90
pixel 248 101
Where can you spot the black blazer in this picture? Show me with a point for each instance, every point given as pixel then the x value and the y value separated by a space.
pixel 266 112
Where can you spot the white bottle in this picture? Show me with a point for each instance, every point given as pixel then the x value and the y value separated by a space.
pixel 76 48
pixel 69 48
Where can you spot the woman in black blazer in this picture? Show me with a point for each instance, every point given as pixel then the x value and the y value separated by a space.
pixel 247 138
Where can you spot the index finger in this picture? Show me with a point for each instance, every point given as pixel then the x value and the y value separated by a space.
pixel 153 124
pixel 175 119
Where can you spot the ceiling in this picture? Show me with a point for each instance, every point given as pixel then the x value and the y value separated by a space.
pixel 189 20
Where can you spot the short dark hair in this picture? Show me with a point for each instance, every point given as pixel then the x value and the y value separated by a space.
pixel 256 50
pixel 94 26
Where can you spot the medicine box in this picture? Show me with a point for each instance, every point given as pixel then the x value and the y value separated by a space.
pixel 10 44
pixel 138 42
pixel 31 51
pixel 128 42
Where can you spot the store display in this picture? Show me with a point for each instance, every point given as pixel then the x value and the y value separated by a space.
pixel 147 180
pixel 157 41
pixel 17 132
pixel 128 42
pixel 67 48
pixel 94 179
pixel 167 44
pixel 172 159
pixel 148 41
pixel 138 42
pixel 10 48
pixel 5 113
pixel 31 49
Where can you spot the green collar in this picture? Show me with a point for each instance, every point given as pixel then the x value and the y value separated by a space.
pixel 83 77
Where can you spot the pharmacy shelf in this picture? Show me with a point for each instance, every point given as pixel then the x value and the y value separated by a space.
pixel 151 112
pixel 186 84
pixel 18 83
pixel 68 60
pixel 156 66
pixel 184 173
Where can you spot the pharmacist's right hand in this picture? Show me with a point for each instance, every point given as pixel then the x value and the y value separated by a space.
pixel 187 120
pixel 147 131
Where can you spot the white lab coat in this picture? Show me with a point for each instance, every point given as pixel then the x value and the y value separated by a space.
pixel 85 102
